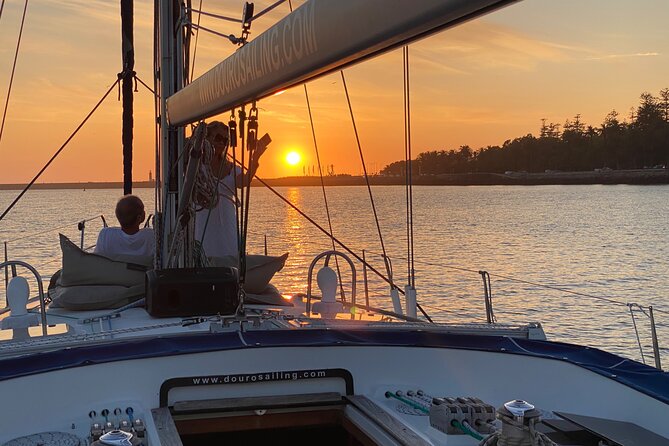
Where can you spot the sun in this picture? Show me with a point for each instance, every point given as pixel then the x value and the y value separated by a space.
pixel 293 158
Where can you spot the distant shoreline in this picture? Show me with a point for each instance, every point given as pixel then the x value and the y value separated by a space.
pixel 640 177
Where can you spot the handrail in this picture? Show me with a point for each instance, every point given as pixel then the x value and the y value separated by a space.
pixel 40 287
pixel 328 254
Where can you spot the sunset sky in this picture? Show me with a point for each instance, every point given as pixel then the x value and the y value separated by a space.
pixel 481 83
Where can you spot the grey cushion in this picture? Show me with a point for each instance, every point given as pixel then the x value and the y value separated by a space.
pixel 94 297
pixel 83 268
pixel 259 269
pixel 269 296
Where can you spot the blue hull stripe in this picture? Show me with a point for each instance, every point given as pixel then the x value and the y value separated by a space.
pixel 643 378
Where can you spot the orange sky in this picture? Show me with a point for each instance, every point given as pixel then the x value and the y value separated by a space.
pixel 479 84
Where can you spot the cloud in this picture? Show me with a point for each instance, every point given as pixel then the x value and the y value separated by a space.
pixel 482 45
pixel 624 56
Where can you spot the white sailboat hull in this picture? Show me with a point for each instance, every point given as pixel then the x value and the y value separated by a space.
pixel 71 394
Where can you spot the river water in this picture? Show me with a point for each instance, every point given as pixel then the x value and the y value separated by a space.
pixel 606 242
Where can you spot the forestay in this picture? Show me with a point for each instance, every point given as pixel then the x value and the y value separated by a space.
pixel 319 37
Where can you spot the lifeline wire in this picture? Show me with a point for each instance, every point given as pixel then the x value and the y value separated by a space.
pixel 29 185
pixel 527 282
pixel 46 231
pixel 11 78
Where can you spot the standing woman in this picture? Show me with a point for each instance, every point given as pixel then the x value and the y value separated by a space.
pixel 216 227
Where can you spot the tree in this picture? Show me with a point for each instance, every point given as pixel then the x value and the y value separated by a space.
pixel 641 141
pixel 664 103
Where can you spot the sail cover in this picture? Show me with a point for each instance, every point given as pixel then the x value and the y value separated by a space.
pixel 317 38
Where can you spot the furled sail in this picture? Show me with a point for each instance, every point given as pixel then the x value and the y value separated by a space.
pixel 317 38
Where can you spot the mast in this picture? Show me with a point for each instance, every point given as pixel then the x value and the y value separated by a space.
pixel 128 74
pixel 170 75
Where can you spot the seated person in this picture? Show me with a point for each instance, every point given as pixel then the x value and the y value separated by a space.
pixel 129 239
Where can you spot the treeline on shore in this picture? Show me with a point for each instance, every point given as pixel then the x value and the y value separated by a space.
pixel 638 141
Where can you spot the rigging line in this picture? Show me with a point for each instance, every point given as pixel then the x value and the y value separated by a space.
pixel 55 155
pixel 242 147
pixel 232 138
pixel 320 173
pixel 145 85
pixel 406 163
pixel 2 6
pixel 252 145
pixel 268 9
pixel 364 169
pixel 325 197
pixel 197 34
pixel 186 32
pixel 230 37
pixel 156 134
pixel 409 168
pixel 11 78
pixel 216 16
pixel 324 231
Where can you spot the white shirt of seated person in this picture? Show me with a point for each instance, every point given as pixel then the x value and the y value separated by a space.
pixel 113 241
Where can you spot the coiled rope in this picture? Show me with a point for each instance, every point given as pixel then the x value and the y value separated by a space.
pixel 205 192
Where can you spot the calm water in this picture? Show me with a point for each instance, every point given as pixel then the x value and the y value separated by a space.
pixel 607 241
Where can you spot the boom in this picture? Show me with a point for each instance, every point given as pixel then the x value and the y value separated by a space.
pixel 319 37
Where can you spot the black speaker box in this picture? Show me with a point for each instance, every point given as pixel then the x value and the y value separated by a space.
pixel 183 292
